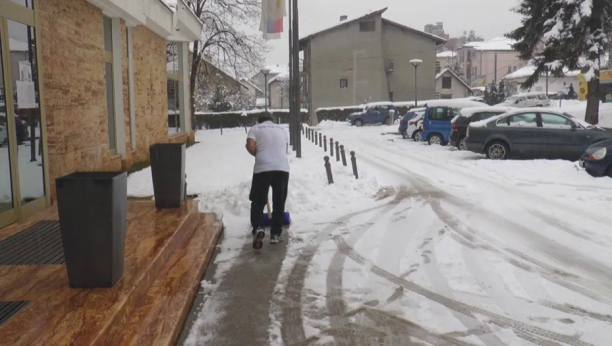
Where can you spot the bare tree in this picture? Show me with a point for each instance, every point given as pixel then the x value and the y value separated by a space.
pixel 228 36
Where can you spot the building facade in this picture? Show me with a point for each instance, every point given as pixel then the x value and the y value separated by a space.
pixel 450 86
pixel 367 60
pixel 91 90
pixel 485 62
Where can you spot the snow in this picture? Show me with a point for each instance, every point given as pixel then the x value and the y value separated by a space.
pixel 496 44
pixel 435 238
pixel 447 54
pixel 456 103
pixel 529 70
pixel 468 112
pixel 30 174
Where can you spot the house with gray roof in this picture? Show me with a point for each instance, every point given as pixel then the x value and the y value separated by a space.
pixel 367 59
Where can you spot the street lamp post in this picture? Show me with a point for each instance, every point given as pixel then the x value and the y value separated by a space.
pixel 416 63
pixel 266 72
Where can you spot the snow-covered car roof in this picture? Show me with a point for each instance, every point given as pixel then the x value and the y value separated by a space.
pixel 458 103
pixel 374 104
pixel 468 112
pixel 420 109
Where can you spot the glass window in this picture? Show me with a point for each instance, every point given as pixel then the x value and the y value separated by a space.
pixel 519 120
pixel 542 97
pixel 343 83
pixel 26 3
pixel 173 69
pixel 22 46
pixel 6 192
pixel 108 34
pixel 509 69
pixel 367 26
pixel 447 82
pixel 110 106
pixel 437 113
pixel 555 121
pixel 484 116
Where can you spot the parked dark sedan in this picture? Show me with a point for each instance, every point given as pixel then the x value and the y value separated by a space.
pixel 461 122
pixel 597 159
pixel 535 132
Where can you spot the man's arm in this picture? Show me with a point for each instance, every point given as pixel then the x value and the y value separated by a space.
pixel 251 146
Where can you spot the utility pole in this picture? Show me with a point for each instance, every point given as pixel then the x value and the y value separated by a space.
pixel 495 78
pixel 546 82
pixel 294 51
pixel 291 76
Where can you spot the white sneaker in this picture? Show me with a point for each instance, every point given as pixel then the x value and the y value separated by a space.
pixel 275 239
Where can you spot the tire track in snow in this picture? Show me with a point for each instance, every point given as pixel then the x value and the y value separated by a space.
pixel 524 330
pixel 292 326
pixel 440 285
pixel 556 275
pixel 335 302
pixel 480 179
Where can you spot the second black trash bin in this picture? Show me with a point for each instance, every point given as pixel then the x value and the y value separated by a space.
pixel 168 173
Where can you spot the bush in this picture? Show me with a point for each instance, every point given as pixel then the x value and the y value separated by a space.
pixel 238 118
pixel 343 113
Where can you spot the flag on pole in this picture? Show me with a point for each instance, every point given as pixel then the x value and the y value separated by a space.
pixel 272 15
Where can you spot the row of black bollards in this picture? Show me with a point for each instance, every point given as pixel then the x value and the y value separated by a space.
pixel 320 140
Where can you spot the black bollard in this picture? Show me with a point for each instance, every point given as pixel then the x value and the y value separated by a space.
pixel 354 161
pixel 343 155
pixel 330 178
pixel 325 143
pixel 337 151
pixel 331 147
pixel 316 138
pixel 320 140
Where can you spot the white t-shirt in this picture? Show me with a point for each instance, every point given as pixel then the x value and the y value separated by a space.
pixel 272 142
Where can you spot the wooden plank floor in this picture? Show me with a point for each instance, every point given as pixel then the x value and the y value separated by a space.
pixel 159 252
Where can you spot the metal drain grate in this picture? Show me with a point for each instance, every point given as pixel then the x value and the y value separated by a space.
pixel 38 244
pixel 9 309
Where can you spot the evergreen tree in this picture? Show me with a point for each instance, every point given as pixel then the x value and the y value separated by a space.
pixel 219 101
pixel 565 34
pixel 491 95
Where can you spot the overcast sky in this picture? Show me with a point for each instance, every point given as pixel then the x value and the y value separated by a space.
pixel 489 18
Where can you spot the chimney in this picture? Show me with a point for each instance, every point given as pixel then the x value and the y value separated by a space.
pixel 343 18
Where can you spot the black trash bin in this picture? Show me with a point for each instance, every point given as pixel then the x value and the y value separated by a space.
pixel 92 213
pixel 168 171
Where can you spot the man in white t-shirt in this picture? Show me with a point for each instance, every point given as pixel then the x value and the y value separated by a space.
pixel 269 143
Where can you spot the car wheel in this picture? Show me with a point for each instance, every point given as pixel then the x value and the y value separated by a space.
pixel 359 123
pixel 405 134
pixel 435 139
pixel 461 145
pixel 417 135
pixel 497 151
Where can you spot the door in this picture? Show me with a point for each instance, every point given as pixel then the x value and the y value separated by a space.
pixel 562 140
pixel 436 117
pixel 383 113
pixel 523 133
pixel 23 189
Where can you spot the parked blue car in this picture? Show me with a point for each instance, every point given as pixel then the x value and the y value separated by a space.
pixel 597 159
pixel 373 114
pixel 437 120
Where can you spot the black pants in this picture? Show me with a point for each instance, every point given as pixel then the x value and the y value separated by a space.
pixel 262 182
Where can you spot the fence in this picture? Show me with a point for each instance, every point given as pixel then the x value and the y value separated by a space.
pixel 237 119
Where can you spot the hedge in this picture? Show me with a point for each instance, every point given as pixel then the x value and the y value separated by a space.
pixel 238 118
pixel 343 113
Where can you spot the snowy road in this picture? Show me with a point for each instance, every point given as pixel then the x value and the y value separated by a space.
pixel 430 246
pixel 469 250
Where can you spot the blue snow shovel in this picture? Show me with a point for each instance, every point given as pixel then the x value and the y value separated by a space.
pixel 266 218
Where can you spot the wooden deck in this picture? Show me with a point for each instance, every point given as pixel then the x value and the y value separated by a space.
pixel 166 255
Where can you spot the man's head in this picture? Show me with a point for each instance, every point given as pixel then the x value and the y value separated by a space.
pixel 265 117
